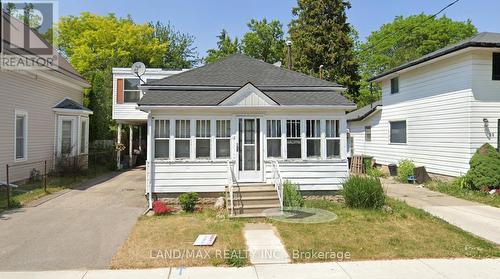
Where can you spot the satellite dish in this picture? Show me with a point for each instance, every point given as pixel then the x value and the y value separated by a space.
pixel 138 69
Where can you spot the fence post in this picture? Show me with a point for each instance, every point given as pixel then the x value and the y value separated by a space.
pixel 8 185
pixel 45 176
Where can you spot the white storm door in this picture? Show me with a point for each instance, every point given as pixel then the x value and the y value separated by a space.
pixel 249 150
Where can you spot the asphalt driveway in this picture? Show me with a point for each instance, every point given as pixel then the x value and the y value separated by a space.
pixel 80 229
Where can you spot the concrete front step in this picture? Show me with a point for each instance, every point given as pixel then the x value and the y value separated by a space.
pixel 252 199
pixel 253 209
pixel 260 200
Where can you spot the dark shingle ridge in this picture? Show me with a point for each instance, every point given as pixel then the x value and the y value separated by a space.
pixel 67 103
pixel 363 112
pixel 484 39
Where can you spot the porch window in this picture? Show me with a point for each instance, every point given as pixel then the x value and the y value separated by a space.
pixel 223 139
pixel 162 134
pixel 293 139
pixel 20 145
pixel 332 139
pixel 182 141
pixel 66 137
pixel 274 138
pixel 131 92
pixel 83 136
pixel 203 139
pixel 313 138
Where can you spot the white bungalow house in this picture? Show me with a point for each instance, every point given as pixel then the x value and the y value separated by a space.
pixel 436 110
pixel 247 125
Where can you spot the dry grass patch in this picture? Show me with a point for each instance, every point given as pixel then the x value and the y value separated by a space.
pixel 404 233
pixel 152 238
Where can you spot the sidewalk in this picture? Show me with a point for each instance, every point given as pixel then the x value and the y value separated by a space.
pixel 418 269
pixel 476 218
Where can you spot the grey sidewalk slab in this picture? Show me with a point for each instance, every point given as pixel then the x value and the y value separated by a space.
pixel 66 274
pixel 476 218
pixel 157 273
pixel 264 245
pixel 397 269
pixel 213 272
pixel 301 271
pixel 465 268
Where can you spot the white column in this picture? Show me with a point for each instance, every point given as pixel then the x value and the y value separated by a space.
pixel 119 140
pixel 140 139
pixel 151 167
pixel 130 144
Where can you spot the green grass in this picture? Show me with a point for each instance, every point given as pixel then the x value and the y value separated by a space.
pixel 454 190
pixel 30 191
pixel 404 233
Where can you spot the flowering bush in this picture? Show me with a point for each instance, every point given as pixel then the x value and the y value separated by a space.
pixel 160 208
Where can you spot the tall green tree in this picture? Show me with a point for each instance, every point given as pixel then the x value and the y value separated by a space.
pixel 321 35
pixel 181 54
pixel 225 46
pixel 264 41
pixel 403 40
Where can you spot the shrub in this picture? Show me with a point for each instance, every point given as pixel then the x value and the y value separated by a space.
pixel 363 192
pixel 188 201
pixel 484 168
pixel 375 172
pixel 462 182
pixel 405 169
pixel 160 208
pixel 291 195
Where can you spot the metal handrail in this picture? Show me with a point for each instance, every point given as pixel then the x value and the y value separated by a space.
pixel 231 179
pixel 278 181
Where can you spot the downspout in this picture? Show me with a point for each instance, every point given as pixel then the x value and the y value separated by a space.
pixel 150 174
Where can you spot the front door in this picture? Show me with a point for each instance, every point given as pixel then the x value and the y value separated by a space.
pixel 249 150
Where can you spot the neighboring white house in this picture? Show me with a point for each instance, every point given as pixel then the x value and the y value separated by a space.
pixel 436 110
pixel 41 112
pixel 241 120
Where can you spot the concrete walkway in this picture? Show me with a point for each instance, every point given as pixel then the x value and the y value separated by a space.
pixel 397 269
pixel 264 245
pixel 81 228
pixel 478 219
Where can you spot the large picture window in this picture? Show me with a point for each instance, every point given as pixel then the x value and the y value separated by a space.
pixel 162 135
pixel 293 139
pixel 203 139
pixel 273 138
pixel 21 137
pixel 332 138
pixel 313 138
pixel 182 139
pixel 398 131
pixel 131 92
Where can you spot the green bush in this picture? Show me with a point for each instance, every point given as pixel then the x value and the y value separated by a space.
pixel 462 182
pixel 484 168
pixel 291 194
pixel 188 201
pixel 363 192
pixel 375 172
pixel 405 169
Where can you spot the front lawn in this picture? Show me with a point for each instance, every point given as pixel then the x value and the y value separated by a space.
pixel 404 233
pixel 464 193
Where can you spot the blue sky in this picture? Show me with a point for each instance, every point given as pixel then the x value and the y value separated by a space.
pixel 204 19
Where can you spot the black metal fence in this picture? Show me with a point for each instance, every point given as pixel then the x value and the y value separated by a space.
pixel 27 181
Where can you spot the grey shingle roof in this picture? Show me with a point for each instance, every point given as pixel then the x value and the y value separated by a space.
pixel 238 70
pixel 70 104
pixel 485 39
pixel 363 112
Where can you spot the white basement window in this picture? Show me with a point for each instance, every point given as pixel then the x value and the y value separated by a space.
pixel 182 139
pixel 162 134
pixel 293 139
pixel 332 139
pixel 21 140
pixel 203 139
pixel 313 138
pixel 223 139
pixel 273 138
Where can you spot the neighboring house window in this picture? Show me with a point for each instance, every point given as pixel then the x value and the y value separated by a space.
pixel 313 138
pixel 83 136
pixel 293 139
pixel 162 135
pixel 182 135
pixel 66 137
pixel 21 142
pixel 131 94
pixel 332 138
pixel 496 66
pixel 368 133
pixel 273 138
pixel 223 139
pixel 398 131
pixel 395 85
pixel 203 139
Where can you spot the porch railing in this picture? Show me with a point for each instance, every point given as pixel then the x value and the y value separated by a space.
pixel 277 181
pixel 231 182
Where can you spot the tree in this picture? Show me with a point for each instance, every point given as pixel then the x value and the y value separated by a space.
pixel 264 41
pixel 225 47
pixel 406 39
pixel 321 36
pixel 181 54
